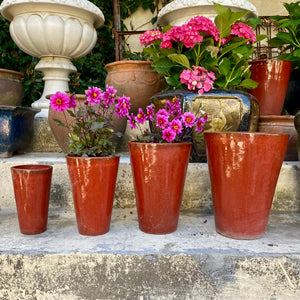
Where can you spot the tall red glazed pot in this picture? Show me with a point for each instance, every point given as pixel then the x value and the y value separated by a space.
pixel 159 171
pixel 93 181
pixel 244 168
pixel 32 185
pixel 273 79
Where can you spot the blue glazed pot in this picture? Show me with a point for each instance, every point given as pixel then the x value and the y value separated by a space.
pixel 227 110
pixel 16 128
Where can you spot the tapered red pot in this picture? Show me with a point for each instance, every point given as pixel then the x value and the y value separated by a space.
pixel 159 172
pixel 244 168
pixel 93 181
pixel 32 185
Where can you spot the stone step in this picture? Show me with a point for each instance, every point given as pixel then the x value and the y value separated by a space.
pixel 192 263
pixel 196 195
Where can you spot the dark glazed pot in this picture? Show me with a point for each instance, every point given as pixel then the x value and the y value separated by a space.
pixel 16 128
pixel 297 126
pixel 273 79
pixel 93 181
pixel 32 185
pixel 61 133
pixel 135 79
pixel 291 102
pixel 159 172
pixel 244 169
pixel 227 110
pixel 11 88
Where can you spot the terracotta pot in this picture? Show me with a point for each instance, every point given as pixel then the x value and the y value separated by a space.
pixel 273 78
pixel 32 185
pixel 281 124
pixel 135 79
pixel 11 88
pixel 244 168
pixel 159 174
pixel 17 125
pixel 297 126
pixel 93 181
pixel 227 110
pixel 61 133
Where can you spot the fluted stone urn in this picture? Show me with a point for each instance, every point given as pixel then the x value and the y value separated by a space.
pixel 55 31
pixel 179 12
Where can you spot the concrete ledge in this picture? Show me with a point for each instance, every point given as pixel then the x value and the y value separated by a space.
pixel 192 263
pixel 197 192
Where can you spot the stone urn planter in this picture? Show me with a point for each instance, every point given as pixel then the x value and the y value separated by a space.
pixel 56 31
pixel 178 12
pixel 11 88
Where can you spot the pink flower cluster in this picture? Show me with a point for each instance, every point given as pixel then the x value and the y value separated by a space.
pixel 63 101
pixel 198 78
pixel 149 36
pixel 243 30
pixel 170 120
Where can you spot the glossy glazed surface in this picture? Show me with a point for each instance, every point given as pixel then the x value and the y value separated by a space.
pixel 32 185
pixel 93 182
pixel 159 172
pixel 273 78
pixel 243 168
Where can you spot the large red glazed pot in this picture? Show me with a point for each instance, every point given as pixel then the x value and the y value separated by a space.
pixel 244 169
pixel 135 79
pixel 159 171
pixel 32 185
pixel 273 79
pixel 93 181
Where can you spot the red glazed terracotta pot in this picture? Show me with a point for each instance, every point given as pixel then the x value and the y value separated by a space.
pixel 159 172
pixel 93 181
pixel 32 185
pixel 244 168
pixel 273 79
pixel 135 79
pixel 281 124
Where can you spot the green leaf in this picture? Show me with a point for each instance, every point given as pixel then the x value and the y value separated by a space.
pixel 249 84
pixel 162 65
pixel 276 42
pixel 296 53
pixel 285 36
pixel 59 123
pixel 225 66
pixel 180 59
pixel 223 26
pixel 97 125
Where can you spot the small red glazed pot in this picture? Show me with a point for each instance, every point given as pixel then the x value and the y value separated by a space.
pixel 244 169
pixel 159 171
pixel 32 185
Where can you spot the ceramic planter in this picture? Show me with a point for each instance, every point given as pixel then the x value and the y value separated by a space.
pixel 159 171
pixel 297 126
pixel 16 129
pixel 227 110
pixel 244 168
pixel 32 185
pixel 273 79
pixel 93 181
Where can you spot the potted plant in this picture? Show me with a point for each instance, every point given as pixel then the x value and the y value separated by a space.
pixel 159 160
pixel 91 162
pixel 208 65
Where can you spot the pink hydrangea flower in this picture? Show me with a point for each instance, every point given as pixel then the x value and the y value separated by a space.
pixel 188 119
pixel 93 95
pixel 169 134
pixel 149 36
pixel 243 30
pixel 141 117
pixel 60 101
pixel 123 106
pixel 204 26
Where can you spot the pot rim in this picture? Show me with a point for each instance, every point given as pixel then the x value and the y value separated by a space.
pixel 12 72
pixel 32 168
pixel 92 157
pixel 244 133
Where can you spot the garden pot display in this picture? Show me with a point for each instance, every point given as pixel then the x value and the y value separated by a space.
pixel 61 133
pixel 273 79
pixel 159 171
pixel 281 124
pixel 11 88
pixel 16 129
pixel 227 110
pixel 135 79
pixel 244 168
pixel 93 181
pixel 297 126
pixel 32 185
